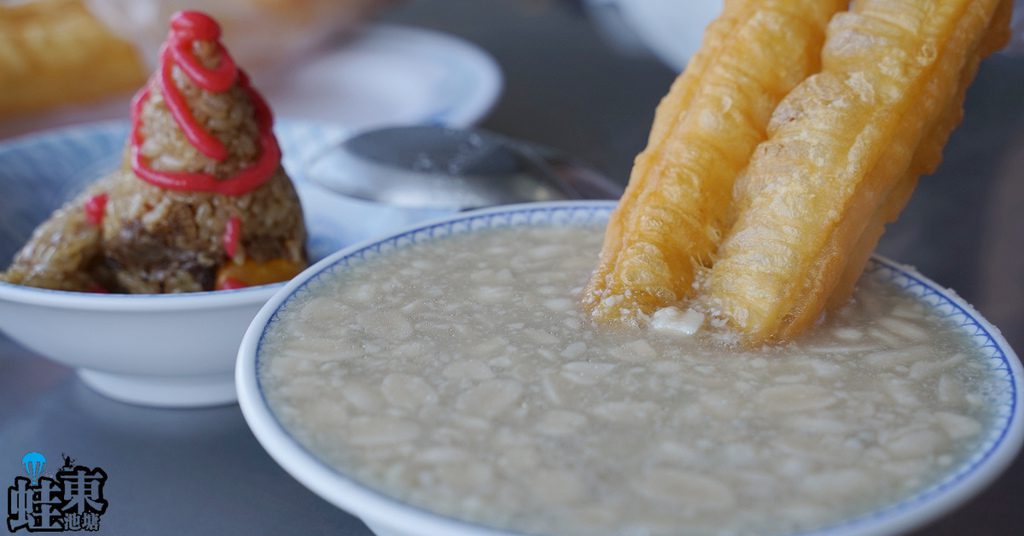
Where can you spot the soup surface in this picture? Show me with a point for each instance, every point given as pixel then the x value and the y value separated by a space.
pixel 459 376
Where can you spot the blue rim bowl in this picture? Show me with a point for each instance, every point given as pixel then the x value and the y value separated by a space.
pixel 389 516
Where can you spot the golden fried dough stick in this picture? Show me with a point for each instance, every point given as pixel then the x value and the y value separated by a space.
pixel 671 108
pixel 716 36
pixel 675 208
pixel 926 160
pixel 843 152
pixel 54 52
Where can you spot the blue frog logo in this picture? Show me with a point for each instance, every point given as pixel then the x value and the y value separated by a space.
pixel 71 500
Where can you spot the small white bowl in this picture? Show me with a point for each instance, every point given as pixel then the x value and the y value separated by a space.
pixel 390 517
pixel 158 350
pixel 170 350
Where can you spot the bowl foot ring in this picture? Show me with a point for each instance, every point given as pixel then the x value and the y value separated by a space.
pixel 163 391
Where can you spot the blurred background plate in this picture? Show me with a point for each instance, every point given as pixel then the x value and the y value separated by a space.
pixel 389 75
pixel 384 75
pixel 672 31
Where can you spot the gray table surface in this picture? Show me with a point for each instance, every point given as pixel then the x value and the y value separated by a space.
pixel 201 472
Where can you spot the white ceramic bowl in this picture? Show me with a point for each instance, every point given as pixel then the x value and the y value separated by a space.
pixel 390 517
pixel 161 350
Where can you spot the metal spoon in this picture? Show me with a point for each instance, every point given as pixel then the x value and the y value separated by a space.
pixel 438 167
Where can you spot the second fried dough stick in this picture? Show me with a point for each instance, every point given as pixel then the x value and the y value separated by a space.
pixel 676 206
pixel 844 150
pixel 926 160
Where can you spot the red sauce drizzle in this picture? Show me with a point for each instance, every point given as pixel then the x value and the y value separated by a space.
pixel 230 283
pixel 232 234
pixel 187 27
pixel 96 208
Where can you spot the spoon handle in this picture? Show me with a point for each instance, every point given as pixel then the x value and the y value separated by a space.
pixel 575 177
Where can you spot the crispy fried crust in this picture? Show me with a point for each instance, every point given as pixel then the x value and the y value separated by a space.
pixel 926 160
pixel 843 155
pixel 676 206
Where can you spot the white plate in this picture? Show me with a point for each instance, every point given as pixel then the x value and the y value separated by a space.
pixel 387 75
pixel 391 75
pixel 672 30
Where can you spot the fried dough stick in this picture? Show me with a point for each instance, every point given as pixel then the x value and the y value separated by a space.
pixel 54 52
pixel 844 150
pixel 675 208
pixel 926 160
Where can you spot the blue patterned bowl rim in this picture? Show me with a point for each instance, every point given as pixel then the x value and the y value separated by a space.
pixel 994 454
